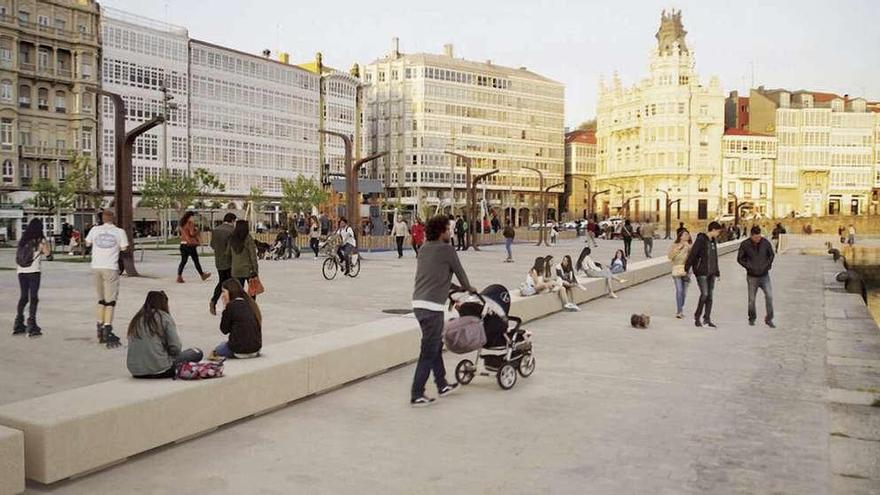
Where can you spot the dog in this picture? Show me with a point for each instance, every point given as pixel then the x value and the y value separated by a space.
pixel 640 321
pixel 262 249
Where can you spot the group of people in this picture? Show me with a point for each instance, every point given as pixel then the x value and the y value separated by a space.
pixel 545 276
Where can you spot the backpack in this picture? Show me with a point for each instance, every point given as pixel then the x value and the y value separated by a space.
pixel 24 255
pixel 199 371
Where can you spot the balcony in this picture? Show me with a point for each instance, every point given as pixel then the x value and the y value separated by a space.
pixel 50 31
pixel 45 152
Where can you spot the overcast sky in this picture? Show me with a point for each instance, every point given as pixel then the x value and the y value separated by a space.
pixel 797 44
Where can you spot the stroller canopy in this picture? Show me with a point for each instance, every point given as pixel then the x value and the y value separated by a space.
pixel 497 295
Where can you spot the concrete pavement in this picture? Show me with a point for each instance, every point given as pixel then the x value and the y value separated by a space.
pixel 610 409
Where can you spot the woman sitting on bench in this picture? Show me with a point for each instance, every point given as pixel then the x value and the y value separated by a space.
pixel 242 321
pixel 153 343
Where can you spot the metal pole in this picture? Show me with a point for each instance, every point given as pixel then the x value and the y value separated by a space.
pixel 542 220
pixel 735 208
pixel 471 195
pixel 668 226
pixel 476 181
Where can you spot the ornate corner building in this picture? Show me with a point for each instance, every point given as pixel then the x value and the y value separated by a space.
pixel 662 134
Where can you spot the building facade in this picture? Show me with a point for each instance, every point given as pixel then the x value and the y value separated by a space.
pixel 48 84
pixel 420 106
pixel 747 173
pixel 253 120
pixel 145 62
pixel 580 173
pixel 662 135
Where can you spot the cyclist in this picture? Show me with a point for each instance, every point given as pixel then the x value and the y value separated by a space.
pixel 347 243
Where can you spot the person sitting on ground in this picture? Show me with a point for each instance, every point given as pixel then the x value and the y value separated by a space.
pixel 592 269
pixel 534 283
pixel 243 323
pixel 565 272
pixel 154 348
pixel 618 262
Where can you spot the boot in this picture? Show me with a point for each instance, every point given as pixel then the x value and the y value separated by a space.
pixel 206 276
pixel 33 329
pixel 18 328
pixel 110 339
pixel 100 327
pixel 179 279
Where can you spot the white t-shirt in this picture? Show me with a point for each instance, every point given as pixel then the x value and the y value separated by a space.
pixel 347 236
pixel 106 241
pixel 35 266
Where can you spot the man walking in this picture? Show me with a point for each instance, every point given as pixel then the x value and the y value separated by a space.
pixel 436 264
pixel 399 233
pixel 647 233
pixel 509 234
pixel 703 260
pixel 107 241
pixel 460 233
pixel 756 256
pixel 222 256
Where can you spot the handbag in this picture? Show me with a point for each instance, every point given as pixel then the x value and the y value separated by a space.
pixel 255 286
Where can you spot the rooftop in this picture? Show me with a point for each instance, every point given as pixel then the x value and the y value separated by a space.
pixel 581 136
pixel 733 131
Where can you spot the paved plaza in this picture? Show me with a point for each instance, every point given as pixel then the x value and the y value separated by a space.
pixel 610 409
pixel 298 302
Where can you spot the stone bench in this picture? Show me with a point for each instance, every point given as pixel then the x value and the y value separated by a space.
pixel 11 461
pixel 81 430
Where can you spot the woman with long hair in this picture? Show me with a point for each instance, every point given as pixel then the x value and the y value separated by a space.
pixel 678 254
pixel 242 321
pixel 566 273
pixel 189 246
pixel 154 347
pixel 590 268
pixel 32 248
pixel 243 252
pixel 535 283
pixel 314 234
pixel 618 262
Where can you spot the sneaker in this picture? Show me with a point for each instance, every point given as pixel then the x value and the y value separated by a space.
pixel 448 389
pixel 100 333
pixel 215 357
pixel 206 276
pixel 110 338
pixel 751 323
pixel 179 279
pixel 18 328
pixel 770 324
pixel 709 324
pixel 421 402
pixel 612 295
pixel 679 315
pixel 34 332
pixel 697 323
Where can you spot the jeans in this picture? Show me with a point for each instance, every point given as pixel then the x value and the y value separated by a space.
pixel 681 287
pixel 461 244
pixel 313 243
pixel 591 238
pixel 187 252
pixel 344 253
pixel 222 276
pixel 649 246
pixel 29 283
pixel 704 306
pixel 627 246
pixel 399 239
pixel 431 354
pixel 507 245
pixel 764 284
pixel 186 356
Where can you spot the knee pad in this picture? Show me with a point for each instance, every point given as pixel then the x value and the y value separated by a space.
pixel 110 303
pixel 102 303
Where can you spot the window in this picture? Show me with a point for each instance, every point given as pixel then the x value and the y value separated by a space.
pixel 702 209
pixel 8 171
pixel 6 134
pixel 44 171
pixel 24 16
pixel 747 189
pixel 60 23
pixel 5 55
pixel 87 102
pixel 43 98
pixel 86 67
pixel 62 172
pixel 703 185
pixel 43 58
pixel 25 170
pixel 24 137
pixel 43 20
pixel 6 90
pixel 731 187
pixel 763 188
pixel 24 96
pixel 60 102
pixel 86 140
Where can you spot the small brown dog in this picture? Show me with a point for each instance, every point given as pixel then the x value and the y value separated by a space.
pixel 640 321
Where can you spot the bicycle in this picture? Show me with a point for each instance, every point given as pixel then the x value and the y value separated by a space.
pixel 334 263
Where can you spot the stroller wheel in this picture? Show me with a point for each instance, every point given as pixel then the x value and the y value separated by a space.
pixel 527 365
pixel 506 376
pixel 464 371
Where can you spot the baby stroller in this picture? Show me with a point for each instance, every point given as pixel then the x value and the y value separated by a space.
pixel 507 349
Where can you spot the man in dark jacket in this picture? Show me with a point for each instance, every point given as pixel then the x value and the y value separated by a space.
pixel 756 256
pixel 222 260
pixel 703 260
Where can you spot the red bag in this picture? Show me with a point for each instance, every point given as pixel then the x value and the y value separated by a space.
pixel 254 286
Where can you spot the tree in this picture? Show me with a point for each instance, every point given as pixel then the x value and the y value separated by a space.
pixel 77 187
pixel 588 125
pixel 301 195
pixel 169 191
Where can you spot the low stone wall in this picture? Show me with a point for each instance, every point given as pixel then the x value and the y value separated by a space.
pixel 81 430
pixel 11 461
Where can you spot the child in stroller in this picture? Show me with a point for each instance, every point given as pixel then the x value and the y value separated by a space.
pixel 508 347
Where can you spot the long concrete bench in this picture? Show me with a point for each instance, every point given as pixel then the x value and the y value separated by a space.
pixel 81 430
pixel 11 461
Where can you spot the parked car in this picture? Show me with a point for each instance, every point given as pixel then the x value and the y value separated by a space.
pixel 573 225
pixel 613 221
pixel 728 218
pixel 536 225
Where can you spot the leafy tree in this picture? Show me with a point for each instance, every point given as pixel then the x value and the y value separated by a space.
pixel 77 186
pixel 301 195
pixel 170 191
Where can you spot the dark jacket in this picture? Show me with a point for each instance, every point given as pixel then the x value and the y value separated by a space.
pixel 220 245
pixel 703 259
pixel 244 263
pixel 757 259
pixel 508 232
pixel 240 323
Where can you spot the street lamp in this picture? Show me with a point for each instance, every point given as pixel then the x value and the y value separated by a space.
pixel 351 176
pixel 735 208
pixel 542 215
pixel 123 145
pixel 593 199
pixel 668 211
pixel 621 197
pixel 472 200
pixel 167 105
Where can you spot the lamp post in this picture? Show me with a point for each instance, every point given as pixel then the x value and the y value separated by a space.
pixel 735 208
pixel 472 200
pixel 469 240
pixel 625 205
pixel 124 142
pixel 587 184
pixel 351 177
pixel 593 200
pixel 542 217
pixel 668 212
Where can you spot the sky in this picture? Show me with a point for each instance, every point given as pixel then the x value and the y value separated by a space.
pixel 794 44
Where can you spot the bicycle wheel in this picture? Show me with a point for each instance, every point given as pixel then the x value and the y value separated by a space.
pixel 355 267
pixel 330 268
